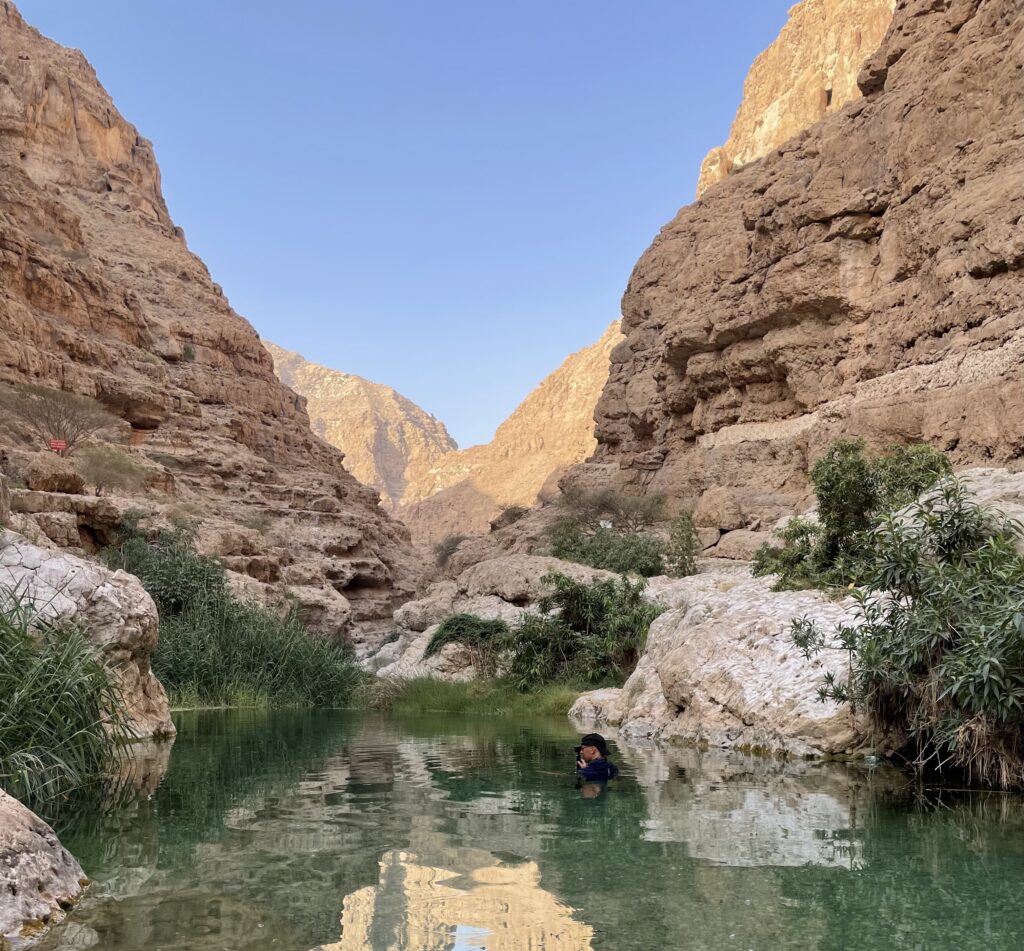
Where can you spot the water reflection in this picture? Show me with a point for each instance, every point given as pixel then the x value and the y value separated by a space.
pixel 474 902
pixel 292 830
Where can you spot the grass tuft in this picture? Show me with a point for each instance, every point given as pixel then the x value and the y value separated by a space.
pixel 61 714
pixel 216 650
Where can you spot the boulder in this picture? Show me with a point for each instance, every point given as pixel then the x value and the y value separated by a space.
pixel 741 545
pixel 39 878
pixel 113 608
pixel 718 508
pixel 720 669
pixel 517 578
pixel 46 472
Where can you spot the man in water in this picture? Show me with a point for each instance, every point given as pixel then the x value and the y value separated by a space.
pixel 592 763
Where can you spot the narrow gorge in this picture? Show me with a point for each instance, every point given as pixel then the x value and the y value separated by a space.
pixel 282 665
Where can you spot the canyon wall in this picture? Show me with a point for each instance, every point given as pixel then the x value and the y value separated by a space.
pixel 808 72
pixel 387 439
pixel 551 430
pixel 100 295
pixel 864 279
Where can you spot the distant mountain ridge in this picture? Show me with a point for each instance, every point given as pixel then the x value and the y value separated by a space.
pixel 385 436
pixel 405 453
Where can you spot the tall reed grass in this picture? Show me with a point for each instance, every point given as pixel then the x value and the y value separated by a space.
pixel 61 715
pixel 480 698
pixel 216 650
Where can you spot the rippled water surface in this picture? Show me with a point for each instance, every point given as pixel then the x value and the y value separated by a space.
pixel 305 831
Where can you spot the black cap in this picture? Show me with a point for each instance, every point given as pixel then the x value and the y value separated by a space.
pixel 597 741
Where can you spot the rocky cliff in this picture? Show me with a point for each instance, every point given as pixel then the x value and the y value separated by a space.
pixel 864 279
pixel 551 430
pixel 100 295
pixel 387 439
pixel 808 72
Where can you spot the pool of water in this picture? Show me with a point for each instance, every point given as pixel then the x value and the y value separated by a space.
pixel 340 832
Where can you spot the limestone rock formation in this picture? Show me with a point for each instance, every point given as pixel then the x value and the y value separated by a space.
pixel 552 429
pixel 502 588
pixel 808 72
pixel 387 439
pixel 113 608
pixel 39 878
pixel 720 668
pixel 100 295
pixel 863 280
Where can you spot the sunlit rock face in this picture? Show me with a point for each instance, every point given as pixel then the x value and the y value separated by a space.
pixel 808 72
pixel 863 280
pixel 100 295
pixel 551 430
pixel 497 906
pixel 388 440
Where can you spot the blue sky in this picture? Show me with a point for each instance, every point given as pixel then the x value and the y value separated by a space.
pixel 444 196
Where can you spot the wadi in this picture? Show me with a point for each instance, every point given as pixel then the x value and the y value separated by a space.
pixel 284 665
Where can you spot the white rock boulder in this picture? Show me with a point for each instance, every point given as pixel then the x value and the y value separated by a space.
pixel 39 878
pixel 720 669
pixel 111 606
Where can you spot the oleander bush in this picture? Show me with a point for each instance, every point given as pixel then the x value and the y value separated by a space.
pixel 937 652
pixel 854 490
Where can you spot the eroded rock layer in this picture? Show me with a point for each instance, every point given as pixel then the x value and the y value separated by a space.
pixel 808 72
pixel 865 279
pixel 100 295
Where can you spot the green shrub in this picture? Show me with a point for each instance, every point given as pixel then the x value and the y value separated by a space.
pixel 217 650
pixel 937 658
pixel 109 468
pixel 853 491
pixel 584 633
pixel 445 548
pixel 683 547
pixel 61 715
pixel 482 638
pixel 626 513
pixel 188 353
pixel 622 552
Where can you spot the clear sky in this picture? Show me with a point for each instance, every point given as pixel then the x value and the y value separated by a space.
pixel 443 195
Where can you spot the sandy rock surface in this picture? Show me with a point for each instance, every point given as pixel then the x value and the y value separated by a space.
pixel 862 279
pixel 39 878
pixel 100 295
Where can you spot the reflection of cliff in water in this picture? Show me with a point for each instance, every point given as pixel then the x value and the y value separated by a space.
pixel 473 902
pixel 266 821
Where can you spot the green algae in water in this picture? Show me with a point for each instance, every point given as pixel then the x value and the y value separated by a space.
pixel 298 830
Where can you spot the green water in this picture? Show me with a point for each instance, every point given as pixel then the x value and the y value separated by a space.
pixel 294 831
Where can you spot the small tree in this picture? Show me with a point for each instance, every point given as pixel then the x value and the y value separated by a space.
pixel 55 414
pixel 108 468
pixel 683 547
pixel 445 548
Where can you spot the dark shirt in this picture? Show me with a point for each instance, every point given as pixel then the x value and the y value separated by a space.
pixel 598 770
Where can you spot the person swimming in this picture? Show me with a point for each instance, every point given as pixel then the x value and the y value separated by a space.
pixel 592 763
